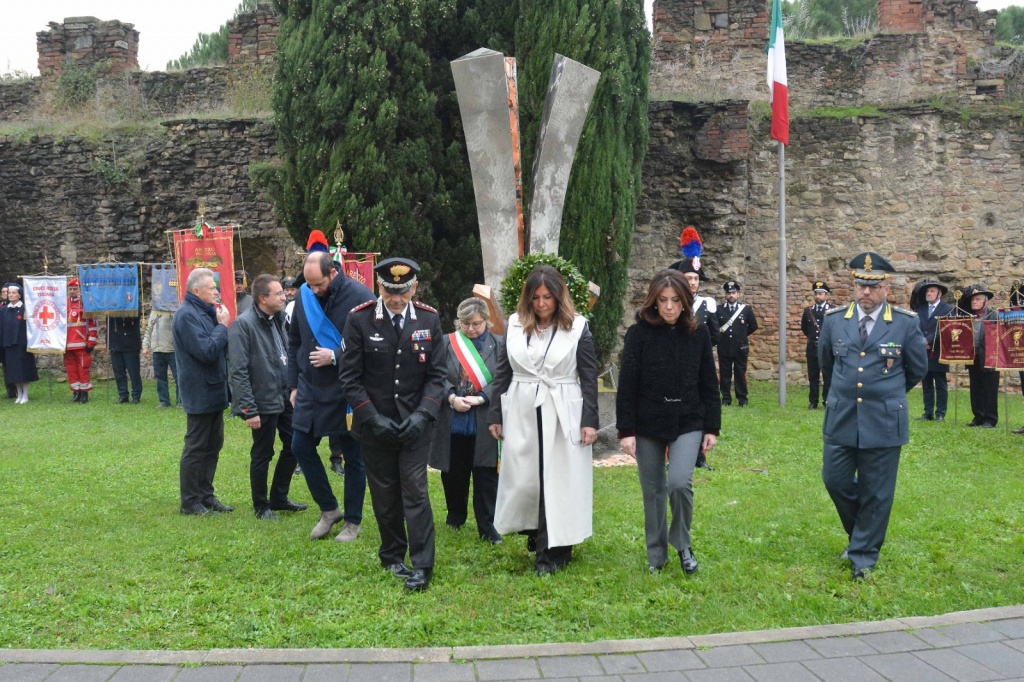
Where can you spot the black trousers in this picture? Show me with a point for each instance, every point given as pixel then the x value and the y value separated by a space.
pixel 260 455
pixel 204 437
pixel 548 558
pixel 984 394
pixel 814 377
pixel 862 485
pixel 936 394
pixel 126 366
pixel 456 486
pixel 731 366
pixel 397 476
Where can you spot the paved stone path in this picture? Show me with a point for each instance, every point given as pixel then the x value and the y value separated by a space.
pixel 966 646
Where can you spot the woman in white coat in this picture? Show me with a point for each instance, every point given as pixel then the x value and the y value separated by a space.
pixel 547 419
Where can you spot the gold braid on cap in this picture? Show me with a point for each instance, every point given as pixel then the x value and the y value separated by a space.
pixel 399 271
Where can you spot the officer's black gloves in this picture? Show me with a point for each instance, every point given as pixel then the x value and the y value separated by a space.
pixel 383 428
pixel 413 427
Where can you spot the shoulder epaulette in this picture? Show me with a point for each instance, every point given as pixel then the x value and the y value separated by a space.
pixel 424 306
pixel 833 311
pixel 908 313
pixel 361 306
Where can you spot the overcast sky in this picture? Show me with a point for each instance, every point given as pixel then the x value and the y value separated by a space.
pixel 167 28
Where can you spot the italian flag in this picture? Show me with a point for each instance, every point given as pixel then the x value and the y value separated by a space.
pixel 778 87
pixel 470 360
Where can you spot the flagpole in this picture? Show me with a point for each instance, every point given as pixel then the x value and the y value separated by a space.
pixel 782 275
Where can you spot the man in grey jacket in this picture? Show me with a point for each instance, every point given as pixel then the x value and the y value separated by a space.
pixel 258 378
pixel 158 342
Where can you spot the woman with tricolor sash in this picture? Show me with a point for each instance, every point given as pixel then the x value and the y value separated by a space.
pixel 463 448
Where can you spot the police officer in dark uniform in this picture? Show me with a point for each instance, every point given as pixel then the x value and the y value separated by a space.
pixel 874 354
pixel 929 307
pixel 393 370
pixel 810 325
pixel 736 322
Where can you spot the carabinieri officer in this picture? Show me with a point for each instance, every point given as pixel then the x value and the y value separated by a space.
pixel 874 353
pixel 393 369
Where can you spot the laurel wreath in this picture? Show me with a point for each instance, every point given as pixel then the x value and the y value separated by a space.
pixel 512 285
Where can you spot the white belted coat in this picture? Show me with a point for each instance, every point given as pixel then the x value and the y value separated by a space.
pixel 565 390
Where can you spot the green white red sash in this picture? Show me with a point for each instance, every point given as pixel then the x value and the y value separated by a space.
pixel 470 360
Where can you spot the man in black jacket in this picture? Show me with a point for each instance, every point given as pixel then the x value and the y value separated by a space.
pixel 201 345
pixel 736 322
pixel 934 386
pixel 810 325
pixel 314 353
pixel 393 372
pixel 258 377
pixel 124 342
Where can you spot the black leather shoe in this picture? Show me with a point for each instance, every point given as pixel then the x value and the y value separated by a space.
pixel 860 574
pixel 653 570
pixel 400 570
pixel 136 401
pixel 531 543
pixel 812 407
pixel 986 426
pixel 492 537
pixel 195 510
pixel 940 418
pixel 546 569
pixel 122 401
pixel 337 468
pixel 688 561
pixel 84 398
pixel 453 526
pixel 216 505
pixel 743 404
pixel 1019 432
pixel 419 580
pixel 267 514
pixel 76 398
pixel 924 418
pixel 289 505
pixel 972 423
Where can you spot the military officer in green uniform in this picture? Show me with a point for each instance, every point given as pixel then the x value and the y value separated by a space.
pixel 393 369
pixel 874 353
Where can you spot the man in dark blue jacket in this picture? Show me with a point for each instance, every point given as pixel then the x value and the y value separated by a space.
pixel 201 344
pixel 314 355
pixel 934 385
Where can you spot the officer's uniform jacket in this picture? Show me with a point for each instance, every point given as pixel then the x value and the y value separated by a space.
pixel 867 403
pixel 810 323
pixel 704 308
pixel 390 375
pixel 732 342
pixel 930 331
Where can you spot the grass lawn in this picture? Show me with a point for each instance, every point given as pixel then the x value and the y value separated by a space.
pixel 96 555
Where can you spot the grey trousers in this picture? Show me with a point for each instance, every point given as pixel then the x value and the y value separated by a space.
pixel 673 484
pixel 862 485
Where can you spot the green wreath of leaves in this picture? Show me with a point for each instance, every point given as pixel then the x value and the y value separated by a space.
pixel 512 285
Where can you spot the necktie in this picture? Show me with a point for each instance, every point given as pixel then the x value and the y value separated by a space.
pixel 397 320
pixel 863 325
pixel 931 310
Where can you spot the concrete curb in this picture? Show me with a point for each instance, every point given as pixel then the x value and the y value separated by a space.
pixel 480 653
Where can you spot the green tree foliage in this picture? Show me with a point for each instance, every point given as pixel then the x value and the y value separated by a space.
pixel 597 223
pixel 1010 25
pixel 210 48
pixel 370 134
pixel 827 18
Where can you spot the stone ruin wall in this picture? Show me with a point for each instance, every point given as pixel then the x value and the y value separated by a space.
pixel 939 191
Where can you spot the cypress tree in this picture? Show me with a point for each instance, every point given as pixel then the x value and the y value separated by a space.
pixel 597 223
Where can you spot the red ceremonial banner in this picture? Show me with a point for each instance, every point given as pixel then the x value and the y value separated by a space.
pixel 213 250
pixel 956 341
pixel 1007 343
pixel 359 266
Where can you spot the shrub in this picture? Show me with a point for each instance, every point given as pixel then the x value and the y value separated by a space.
pixel 512 285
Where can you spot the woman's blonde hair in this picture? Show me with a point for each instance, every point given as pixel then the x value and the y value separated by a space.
pixel 548 277
pixel 473 306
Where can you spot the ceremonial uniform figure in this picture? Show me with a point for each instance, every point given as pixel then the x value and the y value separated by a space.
pixel 243 301
pixel 83 334
pixel 736 322
pixel 934 385
pixel 393 370
pixel 984 389
pixel 810 325
pixel 704 307
pixel 874 353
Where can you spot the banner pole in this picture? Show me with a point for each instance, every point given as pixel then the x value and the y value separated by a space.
pixel 782 275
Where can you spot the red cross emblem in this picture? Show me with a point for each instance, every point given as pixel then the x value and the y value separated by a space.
pixel 46 314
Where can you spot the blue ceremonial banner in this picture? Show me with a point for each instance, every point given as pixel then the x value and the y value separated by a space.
pixel 164 288
pixel 110 288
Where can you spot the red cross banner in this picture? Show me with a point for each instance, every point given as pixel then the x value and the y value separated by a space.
pixel 46 310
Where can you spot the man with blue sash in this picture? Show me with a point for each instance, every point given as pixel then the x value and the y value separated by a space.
pixel 314 354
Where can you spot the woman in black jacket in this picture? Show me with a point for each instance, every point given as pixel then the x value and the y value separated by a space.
pixel 668 399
